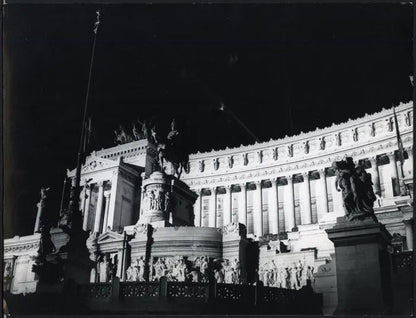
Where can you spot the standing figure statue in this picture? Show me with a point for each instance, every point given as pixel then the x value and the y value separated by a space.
pixel 136 132
pixel 357 191
pixel 322 143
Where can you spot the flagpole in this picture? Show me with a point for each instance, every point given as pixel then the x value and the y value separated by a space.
pixel 78 264
pixel 76 190
pixel 401 154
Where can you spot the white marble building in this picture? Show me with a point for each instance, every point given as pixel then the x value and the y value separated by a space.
pixel 274 187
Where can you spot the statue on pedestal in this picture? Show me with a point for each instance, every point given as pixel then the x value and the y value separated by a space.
pixel 357 191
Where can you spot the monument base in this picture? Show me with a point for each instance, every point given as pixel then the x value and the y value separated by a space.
pixel 363 266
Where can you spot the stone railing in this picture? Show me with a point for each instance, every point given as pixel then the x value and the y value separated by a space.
pixel 213 297
pixel 96 290
pixel 402 262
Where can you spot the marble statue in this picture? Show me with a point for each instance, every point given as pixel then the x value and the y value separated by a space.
pixel 145 130
pixel 130 277
pixel 46 245
pixel 309 274
pixel 407 119
pixel 245 159
pixel 322 143
pixel 356 186
pixel 293 282
pixel 355 134
pixel 153 134
pixel 290 150
pixel 7 276
pixel 194 276
pixel 181 270
pixel 219 275
pixel 166 204
pixel 306 147
pixel 104 268
pixel 227 272
pixel 373 129
pixel 230 161
pixel 389 124
pixel 216 163
pixel 136 132
pixel 276 153
pixel 338 139
pixel 260 156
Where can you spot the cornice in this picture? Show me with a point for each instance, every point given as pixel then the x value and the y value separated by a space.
pixel 319 132
pixel 284 168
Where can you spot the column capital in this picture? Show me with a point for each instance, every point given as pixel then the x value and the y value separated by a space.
pixel 100 183
pixel 390 155
pixel 257 182
pixel 289 178
pixel 373 159
pixel 322 172
pixel 274 181
pixel 305 175
pixel 213 190
pixel 228 188
pixel 198 191
pixel 243 185
pixel 107 194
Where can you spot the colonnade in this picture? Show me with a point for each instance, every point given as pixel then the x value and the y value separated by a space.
pixel 321 191
pixel 258 202
pixel 102 207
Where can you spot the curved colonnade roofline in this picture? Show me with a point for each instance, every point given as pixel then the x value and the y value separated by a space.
pixel 318 132
pixel 365 137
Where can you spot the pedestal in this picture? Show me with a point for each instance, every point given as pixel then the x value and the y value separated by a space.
pixel 363 266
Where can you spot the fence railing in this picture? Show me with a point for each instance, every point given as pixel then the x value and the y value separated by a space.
pixel 403 261
pixel 212 292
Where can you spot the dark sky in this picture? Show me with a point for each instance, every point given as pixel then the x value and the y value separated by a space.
pixel 322 63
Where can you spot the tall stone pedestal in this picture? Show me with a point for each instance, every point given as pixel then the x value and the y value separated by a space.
pixel 363 266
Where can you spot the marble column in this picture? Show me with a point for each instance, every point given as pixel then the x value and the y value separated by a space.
pixel 242 209
pixel 394 174
pixel 324 192
pixel 290 213
pixel 273 208
pixel 99 210
pixel 141 199
pixel 197 208
pixel 114 205
pixel 307 214
pixel 106 209
pixel 409 233
pixel 227 206
pixel 258 211
pixel 408 163
pixel 375 176
pixel 86 208
pixel 212 218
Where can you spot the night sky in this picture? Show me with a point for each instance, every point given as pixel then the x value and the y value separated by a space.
pixel 280 68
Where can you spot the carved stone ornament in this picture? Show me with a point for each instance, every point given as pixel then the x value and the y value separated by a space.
pixel 141 229
pixel 231 228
